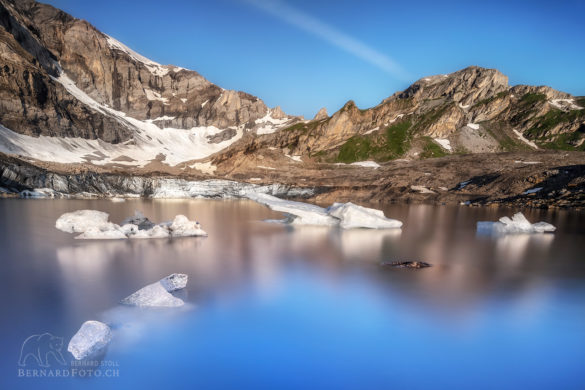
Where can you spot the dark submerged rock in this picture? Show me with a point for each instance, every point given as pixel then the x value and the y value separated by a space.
pixel 407 264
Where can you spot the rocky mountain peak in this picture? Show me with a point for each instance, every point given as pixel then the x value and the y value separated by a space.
pixel 466 86
pixel 322 114
pixel 55 58
pixel 277 113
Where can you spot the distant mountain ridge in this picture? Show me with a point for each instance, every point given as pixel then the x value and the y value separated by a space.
pixel 72 94
pixel 473 110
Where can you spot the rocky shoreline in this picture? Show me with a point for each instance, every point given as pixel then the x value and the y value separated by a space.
pixel 522 180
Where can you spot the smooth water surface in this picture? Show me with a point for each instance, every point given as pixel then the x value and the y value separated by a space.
pixel 275 307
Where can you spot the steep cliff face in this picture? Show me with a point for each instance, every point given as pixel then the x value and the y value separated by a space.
pixel 39 43
pixel 31 102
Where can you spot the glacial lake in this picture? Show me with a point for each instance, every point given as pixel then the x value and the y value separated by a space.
pixel 275 307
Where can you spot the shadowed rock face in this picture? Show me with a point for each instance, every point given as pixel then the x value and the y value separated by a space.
pixel 37 38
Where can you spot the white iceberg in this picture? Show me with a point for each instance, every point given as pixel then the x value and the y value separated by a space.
pixel 298 213
pixel 182 227
pixel 352 216
pixel 517 224
pixel 158 294
pixel 94 225
pixel 344 215
pixel 106 231
pixel 156 231
pixel 81 220
pixel 89 339
pixel 174 282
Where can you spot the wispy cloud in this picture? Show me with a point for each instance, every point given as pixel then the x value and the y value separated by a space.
pixel 310 24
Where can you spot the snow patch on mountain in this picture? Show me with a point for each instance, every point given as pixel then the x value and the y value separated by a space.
pixel 565 104
pixel 269 125
pixel 150 141
pixel 445 144
pixel 153 67
pixel 525 140
pixel 366 164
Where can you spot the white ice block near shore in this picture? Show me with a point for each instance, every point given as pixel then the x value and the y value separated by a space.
pixel 344 215
pixel 353 216
pixel 515 225
pixel 158 294
pixel 94 225
pixel 299 213
pixel 92 337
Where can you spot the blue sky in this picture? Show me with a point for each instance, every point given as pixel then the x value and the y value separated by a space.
pixel 303 55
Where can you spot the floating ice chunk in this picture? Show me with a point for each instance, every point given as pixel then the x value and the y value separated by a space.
pixel 299 213
pixel 344 215
pixel 157 231
pixel 106 231
pixel 174 282
pixel 81 220
pixel 353 216
pixel 543 227
pixel 182 227
pixel 129 229
pixel 94 225
pixel 158 294
pixel 92 337
pixel 517 224
pixel 153 295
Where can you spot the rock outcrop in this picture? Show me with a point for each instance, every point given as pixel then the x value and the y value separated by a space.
pixel 39 42
pixel 322 114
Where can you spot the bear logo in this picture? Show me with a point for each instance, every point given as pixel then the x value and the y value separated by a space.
pixel 40 347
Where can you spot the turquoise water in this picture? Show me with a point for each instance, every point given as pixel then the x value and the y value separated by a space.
pixel 276 307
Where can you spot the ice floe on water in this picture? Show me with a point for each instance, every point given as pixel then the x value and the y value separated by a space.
pixel 344 215
pixel 94 225
pixel 81 220
pixel 158 294
pixel 125 321
pixel 517 224
pixel 92 337
pixel 298 213
pixel 352 216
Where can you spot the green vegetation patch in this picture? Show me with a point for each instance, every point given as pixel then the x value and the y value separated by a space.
pixel 567 141
pixel 431 149
pixel 530 99
pixel 483 102
pixel 393 143
pixel 553 118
